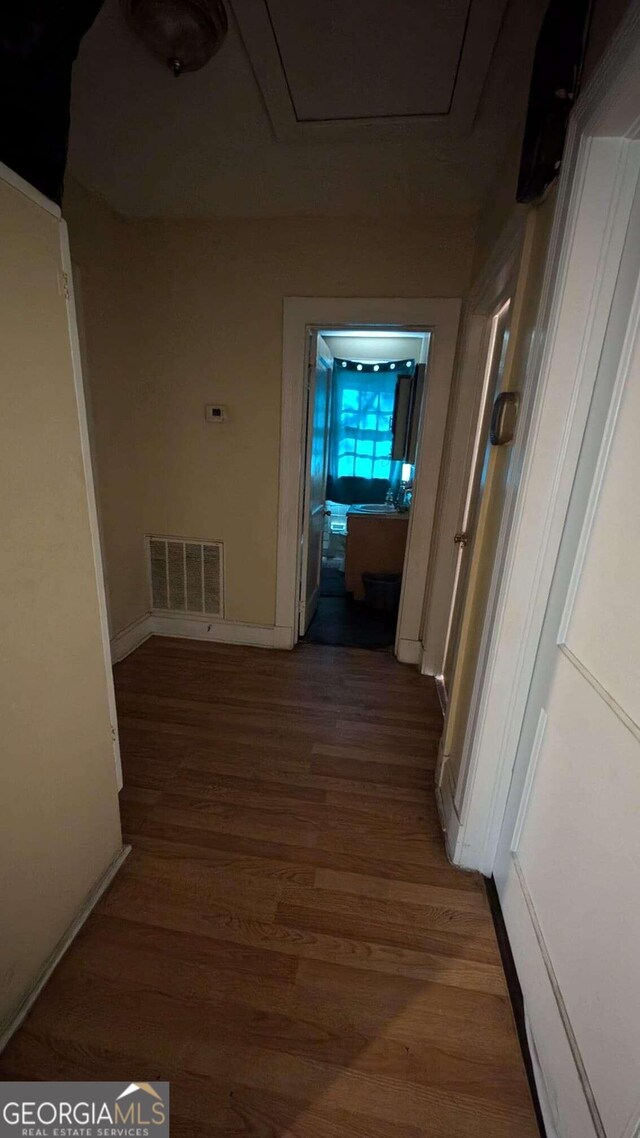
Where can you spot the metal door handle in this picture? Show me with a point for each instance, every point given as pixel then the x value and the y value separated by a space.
pixel 503 418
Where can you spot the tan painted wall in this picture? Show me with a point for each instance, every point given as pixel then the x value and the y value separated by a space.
pixel 198 319
pixel 605 18
pixel 58 800
pixel 500 204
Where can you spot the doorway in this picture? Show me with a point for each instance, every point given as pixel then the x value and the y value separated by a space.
pixel 435 322
pixel 550 800
pixel 364 405
pixel 500 434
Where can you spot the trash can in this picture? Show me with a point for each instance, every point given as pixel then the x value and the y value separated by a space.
pixel 382 591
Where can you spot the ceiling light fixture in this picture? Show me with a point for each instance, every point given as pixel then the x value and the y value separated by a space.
pixel 183 34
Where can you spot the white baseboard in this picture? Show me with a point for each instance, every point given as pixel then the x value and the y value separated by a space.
pixel 12 1024
pixel 443 697
pixel 220 631
pixel 198 628
pixel 409 651
pixel 445 792
pixel 541 1087
pixel 130 638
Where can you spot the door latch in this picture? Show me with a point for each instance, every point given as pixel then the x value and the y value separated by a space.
pixel 461 539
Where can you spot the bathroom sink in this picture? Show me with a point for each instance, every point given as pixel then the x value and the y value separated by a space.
pixel 373 508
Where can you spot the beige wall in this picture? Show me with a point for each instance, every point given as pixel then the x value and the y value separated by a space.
pixel 605 18
pixel 198 319
pixel 58 799
pixel 500 207
pixel 500 204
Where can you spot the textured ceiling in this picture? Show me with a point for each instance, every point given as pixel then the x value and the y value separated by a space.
pixel 203 145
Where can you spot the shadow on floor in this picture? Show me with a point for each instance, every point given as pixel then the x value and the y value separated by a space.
pixel 346 623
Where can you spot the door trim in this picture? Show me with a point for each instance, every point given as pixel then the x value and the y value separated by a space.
pixel 488 292
pixel 319 357
pixel 92 507
pixel 12 179
pixel 302 314
pixel 594 201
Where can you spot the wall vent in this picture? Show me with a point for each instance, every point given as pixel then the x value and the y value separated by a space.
pixel 186 576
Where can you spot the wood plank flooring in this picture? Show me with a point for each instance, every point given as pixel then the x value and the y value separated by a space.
pixel 287 943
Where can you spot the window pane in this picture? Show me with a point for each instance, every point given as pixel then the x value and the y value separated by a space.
pixel 362 468
pixel 345 467
pixel 350 400
pixel 381 468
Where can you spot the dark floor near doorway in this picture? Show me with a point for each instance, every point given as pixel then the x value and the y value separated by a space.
pixel 345 623
pixel 332 582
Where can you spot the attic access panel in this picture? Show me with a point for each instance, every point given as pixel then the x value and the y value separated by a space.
pixel 349 68
pixel 403 61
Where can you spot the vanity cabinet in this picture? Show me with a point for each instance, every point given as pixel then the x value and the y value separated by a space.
pixel 375 544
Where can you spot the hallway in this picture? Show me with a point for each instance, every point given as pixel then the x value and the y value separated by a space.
pixel 287 943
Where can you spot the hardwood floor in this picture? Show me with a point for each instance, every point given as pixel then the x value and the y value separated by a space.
pixel 287 943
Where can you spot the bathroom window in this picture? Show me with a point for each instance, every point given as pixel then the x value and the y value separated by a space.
pixel 363 415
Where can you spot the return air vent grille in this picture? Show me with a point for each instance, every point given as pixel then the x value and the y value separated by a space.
pixel 186 576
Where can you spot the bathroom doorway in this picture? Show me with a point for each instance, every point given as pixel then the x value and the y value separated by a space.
pixel 365 393
pixel 304 486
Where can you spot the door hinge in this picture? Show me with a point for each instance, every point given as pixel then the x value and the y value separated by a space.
pixel 461 539
pixel 65 285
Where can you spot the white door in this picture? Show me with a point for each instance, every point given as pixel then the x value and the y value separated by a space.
pixel 315 486
pixel 568 864
pixel 493 374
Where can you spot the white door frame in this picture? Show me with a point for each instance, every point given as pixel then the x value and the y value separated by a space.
pixel 594 200
pixel 94 523
pixel 488 292
pixel 438 316
pixel 322 355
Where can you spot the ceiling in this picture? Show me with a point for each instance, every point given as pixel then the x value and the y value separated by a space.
pixel 308 109
pixel 413 41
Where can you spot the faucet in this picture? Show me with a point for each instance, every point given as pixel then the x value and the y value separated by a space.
pixel 404 498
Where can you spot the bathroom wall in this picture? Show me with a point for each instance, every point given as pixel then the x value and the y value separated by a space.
pixel 372 348
pixel 183 313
